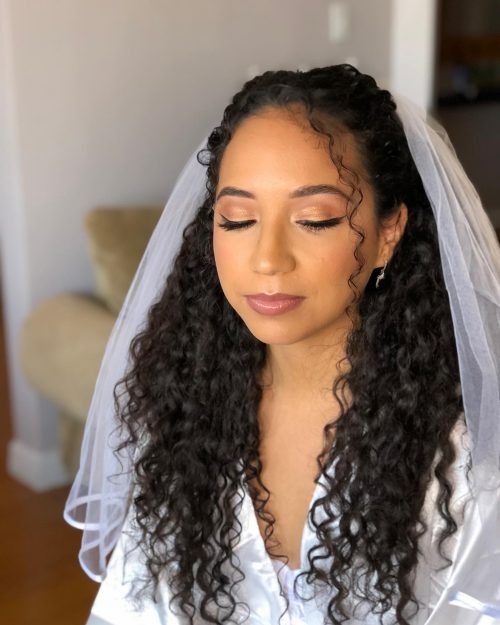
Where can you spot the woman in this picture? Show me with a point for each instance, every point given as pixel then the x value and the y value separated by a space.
pixel 294 410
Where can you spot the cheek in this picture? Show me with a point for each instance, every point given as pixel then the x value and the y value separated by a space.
pixel 332 289
pixel 221 249
pixel 336 263
pixel 225 256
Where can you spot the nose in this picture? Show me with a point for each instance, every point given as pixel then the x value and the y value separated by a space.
pixel 273 252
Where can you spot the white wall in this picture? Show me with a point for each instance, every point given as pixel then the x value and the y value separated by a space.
pixel 102 102
pixel 413 50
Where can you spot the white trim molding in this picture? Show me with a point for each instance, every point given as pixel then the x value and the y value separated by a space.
pixel 413 50
pixel 39 470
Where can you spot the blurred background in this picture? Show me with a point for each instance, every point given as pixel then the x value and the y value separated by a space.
pixel 101 103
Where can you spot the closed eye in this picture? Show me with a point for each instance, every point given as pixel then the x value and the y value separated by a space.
pixel 310 225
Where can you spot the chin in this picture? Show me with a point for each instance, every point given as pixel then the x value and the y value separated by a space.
pixel 276 331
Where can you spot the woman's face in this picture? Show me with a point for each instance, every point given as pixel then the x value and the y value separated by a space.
pixel 270 158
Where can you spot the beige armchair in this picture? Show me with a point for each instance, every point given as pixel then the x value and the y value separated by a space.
pixel 64 337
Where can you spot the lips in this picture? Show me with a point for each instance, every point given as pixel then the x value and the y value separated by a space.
pixel 275 297
pixel 275 304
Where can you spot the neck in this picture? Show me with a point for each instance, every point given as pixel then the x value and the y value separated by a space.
pixel 303 374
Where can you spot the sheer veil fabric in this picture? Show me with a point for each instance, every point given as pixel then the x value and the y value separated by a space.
pixel 470 256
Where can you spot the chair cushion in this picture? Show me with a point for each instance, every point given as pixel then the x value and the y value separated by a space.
pixel 61 348
pixel 117 238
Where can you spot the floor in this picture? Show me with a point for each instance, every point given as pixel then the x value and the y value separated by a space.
pixel 41 581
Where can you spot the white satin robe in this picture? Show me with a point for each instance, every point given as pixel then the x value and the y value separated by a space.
pixel 261 588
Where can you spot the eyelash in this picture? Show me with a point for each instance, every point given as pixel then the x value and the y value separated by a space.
pixel 309 225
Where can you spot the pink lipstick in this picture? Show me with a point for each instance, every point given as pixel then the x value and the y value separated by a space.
pixel 275 304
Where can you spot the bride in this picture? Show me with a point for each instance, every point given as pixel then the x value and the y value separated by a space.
pixel 300 424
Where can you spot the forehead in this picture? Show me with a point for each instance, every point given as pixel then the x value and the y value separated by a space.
pixel 279 144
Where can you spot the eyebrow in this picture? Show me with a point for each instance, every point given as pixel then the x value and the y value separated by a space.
pixel 300 192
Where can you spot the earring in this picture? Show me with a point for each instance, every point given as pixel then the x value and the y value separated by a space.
pixel 381 274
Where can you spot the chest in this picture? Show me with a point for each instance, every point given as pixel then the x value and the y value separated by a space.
pixel 288 452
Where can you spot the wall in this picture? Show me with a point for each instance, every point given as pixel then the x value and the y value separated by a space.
pixel 413 50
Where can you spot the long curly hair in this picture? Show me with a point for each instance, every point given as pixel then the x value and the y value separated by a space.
pixel 190 400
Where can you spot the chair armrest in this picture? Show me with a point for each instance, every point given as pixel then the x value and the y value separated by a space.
pixel 62 343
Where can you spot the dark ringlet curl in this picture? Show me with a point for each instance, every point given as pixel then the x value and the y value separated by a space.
pixel 193 392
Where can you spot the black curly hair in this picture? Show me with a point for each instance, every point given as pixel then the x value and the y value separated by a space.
pixel 190 400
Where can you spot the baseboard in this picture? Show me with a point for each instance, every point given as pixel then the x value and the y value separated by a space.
pixel 38 470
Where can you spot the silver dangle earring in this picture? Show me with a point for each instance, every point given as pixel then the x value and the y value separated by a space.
pixel 381 274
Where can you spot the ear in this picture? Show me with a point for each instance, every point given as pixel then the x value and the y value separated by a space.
pixel 392 230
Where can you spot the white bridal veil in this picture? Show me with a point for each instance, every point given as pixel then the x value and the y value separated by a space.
pixel 470 257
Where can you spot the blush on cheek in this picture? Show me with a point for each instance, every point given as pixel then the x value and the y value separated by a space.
pixel 223 253
pixel 346 265
pixel 225 257
pixel 340 262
